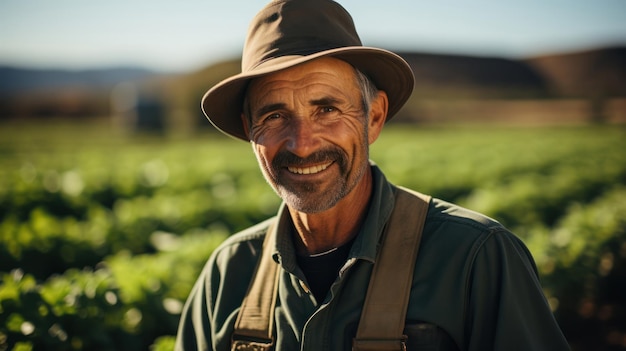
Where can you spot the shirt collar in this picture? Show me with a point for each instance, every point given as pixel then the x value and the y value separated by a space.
pixel 367 241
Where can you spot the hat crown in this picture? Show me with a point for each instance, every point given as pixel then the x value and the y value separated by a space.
pixel 297 27
pixel 286 33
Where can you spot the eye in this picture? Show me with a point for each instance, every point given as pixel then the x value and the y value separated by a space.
pixel 271 117
pixel 328 109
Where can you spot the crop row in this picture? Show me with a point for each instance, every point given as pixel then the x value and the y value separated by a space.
pixel 128 302
pixel 125 303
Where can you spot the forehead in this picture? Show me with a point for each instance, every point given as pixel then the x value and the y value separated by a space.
pixel 319 73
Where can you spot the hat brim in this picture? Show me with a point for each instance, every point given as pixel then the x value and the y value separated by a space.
pixel 223 103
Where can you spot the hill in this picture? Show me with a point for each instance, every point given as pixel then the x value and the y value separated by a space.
pixel 556 88
pixel 578 74
pixel 587 73
pixel 593 75
pixel 439 75
pixel 23 80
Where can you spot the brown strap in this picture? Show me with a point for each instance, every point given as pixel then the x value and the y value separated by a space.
pixel 382 319
pixel 384 311
pixel 254 328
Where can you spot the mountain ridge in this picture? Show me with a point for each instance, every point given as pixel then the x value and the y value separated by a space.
pixel 588 74
pixel 21 79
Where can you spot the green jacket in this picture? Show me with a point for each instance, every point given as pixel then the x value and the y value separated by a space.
pixel 475 287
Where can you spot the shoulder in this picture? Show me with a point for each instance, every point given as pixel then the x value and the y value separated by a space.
pixel 458 230
pixel 232 263
pixel 441 211
pixel 454 229
pixel 255 233
pixel 246 244
pixel 458 224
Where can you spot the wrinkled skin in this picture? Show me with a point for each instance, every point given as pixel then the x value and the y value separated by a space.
pixel 311 139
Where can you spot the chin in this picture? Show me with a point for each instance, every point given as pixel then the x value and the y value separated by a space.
pixel 310 203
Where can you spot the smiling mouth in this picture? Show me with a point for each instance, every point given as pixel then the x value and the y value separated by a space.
pixel 309 170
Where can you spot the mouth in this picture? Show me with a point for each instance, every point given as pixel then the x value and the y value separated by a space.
pixel 309 170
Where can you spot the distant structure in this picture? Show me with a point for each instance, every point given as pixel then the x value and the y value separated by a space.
pixel 134 110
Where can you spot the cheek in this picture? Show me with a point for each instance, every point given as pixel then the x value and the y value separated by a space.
pixel 352 131
pixel 263 155
pixel 265 136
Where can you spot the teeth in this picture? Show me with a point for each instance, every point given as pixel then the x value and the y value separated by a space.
pixel 309 170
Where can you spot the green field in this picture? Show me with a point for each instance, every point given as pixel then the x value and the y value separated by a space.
pixel 103 234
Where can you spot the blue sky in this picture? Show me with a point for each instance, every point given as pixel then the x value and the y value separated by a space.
pixel 187 35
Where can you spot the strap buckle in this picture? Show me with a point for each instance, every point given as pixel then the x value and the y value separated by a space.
pixel 379 344
pixel 249 344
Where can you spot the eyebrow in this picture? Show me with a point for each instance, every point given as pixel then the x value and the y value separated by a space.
pixel 269 108
pixel 325 101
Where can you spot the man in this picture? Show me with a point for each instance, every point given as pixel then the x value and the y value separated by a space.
pixel 311 99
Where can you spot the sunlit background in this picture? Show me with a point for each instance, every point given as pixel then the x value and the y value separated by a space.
pixel 114 188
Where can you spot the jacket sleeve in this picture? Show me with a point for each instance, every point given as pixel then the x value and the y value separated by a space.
pixel 506 307
pixel 208 317
pixel 194 329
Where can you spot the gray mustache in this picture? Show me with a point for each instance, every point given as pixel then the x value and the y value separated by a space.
pixel 286 158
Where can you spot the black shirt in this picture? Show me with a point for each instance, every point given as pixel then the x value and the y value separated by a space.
pixel 322 269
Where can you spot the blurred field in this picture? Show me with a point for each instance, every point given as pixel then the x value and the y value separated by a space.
pixel 103 233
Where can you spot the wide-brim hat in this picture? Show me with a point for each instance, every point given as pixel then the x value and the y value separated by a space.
pixel 290 32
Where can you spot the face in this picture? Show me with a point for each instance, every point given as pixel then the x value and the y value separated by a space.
pixel 309 132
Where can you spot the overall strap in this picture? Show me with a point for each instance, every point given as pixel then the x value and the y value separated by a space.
pixel 384 311
pixel 254 327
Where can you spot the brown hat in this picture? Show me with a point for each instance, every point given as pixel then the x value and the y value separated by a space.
pixel 290 32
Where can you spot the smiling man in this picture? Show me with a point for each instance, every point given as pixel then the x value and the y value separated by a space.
pixel 337 268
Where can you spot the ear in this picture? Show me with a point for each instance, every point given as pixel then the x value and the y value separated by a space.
pixel 378 116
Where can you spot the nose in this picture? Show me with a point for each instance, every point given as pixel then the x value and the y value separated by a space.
pixel 303 138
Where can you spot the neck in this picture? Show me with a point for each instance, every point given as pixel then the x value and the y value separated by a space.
pixel 320 232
